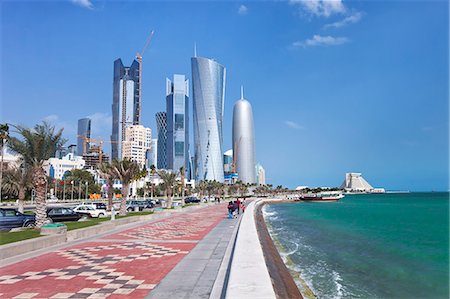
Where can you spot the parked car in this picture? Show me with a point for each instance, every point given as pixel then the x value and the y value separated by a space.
pixel 10 218
pixel 90 211
pixel 191 199
pixel 132 204
pixel 52 198
pixel 149 204
pixel 61 214
pixel 97 205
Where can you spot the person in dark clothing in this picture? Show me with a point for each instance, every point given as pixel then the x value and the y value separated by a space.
pixel 230 210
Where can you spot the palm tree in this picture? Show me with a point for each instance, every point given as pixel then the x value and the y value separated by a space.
pixel 17 180
pixel 107 172
pixel 36 146
pixel 182 184
pixel 126 171
pixel 169 180
pixel 242 188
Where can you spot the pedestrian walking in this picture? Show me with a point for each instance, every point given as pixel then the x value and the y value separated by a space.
pixel 238 203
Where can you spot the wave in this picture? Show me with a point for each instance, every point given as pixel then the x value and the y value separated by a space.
pixel 336 280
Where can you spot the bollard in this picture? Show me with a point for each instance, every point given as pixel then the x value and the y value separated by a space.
pixel 113 213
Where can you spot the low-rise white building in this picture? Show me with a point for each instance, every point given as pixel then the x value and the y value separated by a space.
pixel 56 168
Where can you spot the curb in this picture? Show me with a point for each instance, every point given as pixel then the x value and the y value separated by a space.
pixel 220 284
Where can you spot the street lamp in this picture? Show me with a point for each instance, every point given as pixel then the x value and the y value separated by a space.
pixel 4 135
pixel 87 185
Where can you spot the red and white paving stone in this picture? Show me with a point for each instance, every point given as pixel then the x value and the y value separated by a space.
pixel 128 264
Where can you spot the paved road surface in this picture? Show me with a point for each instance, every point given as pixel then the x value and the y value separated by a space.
pixel 127 264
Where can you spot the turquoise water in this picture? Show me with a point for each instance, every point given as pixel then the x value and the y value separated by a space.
pixel 367 246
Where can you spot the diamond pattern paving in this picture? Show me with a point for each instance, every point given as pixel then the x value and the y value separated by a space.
pixel 128 267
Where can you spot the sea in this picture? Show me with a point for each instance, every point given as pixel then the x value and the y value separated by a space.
pixel 366 246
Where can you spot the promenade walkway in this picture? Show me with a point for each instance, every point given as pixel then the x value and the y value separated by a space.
pixel 129 263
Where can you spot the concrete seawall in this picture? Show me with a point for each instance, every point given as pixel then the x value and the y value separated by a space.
pixel 249 277
pixel 257 270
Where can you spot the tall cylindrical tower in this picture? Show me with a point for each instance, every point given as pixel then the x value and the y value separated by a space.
pixel 208 88
pixel 244 140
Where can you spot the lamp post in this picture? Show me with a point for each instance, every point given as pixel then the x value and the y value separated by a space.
pixel 79 190
pixel 87 185
pixel 64 189
pixel 71 182
pixel 4 134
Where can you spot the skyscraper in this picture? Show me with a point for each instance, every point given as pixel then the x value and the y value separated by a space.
pixel 84 131
pixel 244 140
pixel 208 86
pixel 138 141
pixel 126 103
pixel 161 125
pixel 177 100
pixel 153 154
pixel 260 175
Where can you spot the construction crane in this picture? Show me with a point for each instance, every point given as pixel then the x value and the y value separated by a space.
pixel 139 59
pixel 100 145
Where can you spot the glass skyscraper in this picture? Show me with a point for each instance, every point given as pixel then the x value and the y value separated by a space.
pixel 126 103
pixel 177 101
pixel 161 125
pixel 208 86
pixel 84 130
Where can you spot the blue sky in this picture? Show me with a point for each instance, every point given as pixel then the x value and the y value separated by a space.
pixel 336 86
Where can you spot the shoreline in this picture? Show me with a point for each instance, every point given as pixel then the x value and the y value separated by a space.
pixel 281 277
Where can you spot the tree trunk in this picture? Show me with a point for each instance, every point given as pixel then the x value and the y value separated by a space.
pixel 21 199
pixel 123 201
pixel 39 182
pixel 110 195
pixel 169 199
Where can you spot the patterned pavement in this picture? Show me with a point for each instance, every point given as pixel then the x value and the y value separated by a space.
pixel 128 264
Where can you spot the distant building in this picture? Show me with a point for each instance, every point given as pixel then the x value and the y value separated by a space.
pixel 84 131
pixel 208 89
pixel 57 168
pixel 260 174
pixel 126 105
pixel 10 160
pixel 138 141
pixel 244 140
pixel 72 149
pixel 161 125
pixel 228 161
pixel 354 182
pixel 177 118
pixel 92 158
pixel 153 154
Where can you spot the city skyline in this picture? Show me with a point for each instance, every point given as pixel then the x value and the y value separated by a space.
pixel 378 86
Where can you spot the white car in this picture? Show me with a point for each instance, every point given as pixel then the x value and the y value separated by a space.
pixel 90 211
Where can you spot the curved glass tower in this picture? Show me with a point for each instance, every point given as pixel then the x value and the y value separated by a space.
pixel 208 88
pixel 244 140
